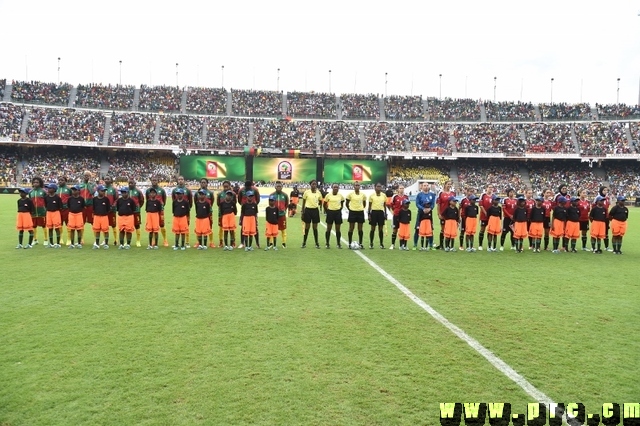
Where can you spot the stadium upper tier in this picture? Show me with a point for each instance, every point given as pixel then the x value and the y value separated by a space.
pixel 309 105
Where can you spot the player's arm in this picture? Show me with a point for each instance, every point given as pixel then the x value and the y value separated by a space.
pixel 348 201
pixel 369 206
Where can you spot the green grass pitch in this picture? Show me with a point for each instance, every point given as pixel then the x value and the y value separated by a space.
pixel 310 337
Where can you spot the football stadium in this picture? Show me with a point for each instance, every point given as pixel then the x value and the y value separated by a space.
pixel 186 253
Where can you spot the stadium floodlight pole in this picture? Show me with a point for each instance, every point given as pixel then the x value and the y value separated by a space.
pixel 618 92
pixel 552 89
pixel 58 70
pixel 495 84
pixel 440 95
pixel 329 81
pixel 177 85
pixel 385 84
pixel 223 77
pixel 278 82
pixel 120 73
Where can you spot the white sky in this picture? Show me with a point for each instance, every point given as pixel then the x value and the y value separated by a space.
pixel 584 45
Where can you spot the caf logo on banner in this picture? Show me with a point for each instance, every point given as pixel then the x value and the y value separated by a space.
pixel 285 170
pixel 215 170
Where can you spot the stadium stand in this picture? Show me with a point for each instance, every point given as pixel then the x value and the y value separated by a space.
pixel 564 111
pixel 311 105
pixel 618 112
pixel 548 138
pixel 105 97
pixel 11 121
pixel 256 103
pixel 203 100
pixel 360 107
pixel 285 134
pixel 340 136
pixel 3 84
pixel 403 108
pixel 227 133
pixel 141 166
pixel 624 179
pixel 132 128
pixel 481 173
pixel 509 111
pixel 160 98
pixel 182 130
pixel 408 172
pixel 488 138
pixel 599 139
pixel 448 109
pixel 58 161
pixel 8 165
pixel 65 124
pixel 38 92
pixel 576 176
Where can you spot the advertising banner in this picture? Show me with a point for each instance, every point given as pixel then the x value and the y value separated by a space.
pixel 284 169
pixel 194 167
pixel 350 171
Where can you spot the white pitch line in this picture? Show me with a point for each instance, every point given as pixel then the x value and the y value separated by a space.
pixel 502 366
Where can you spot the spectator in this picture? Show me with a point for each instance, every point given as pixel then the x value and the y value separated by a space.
pixel 227 133
pixel 509 111
pixel 65 124
pixel 160 98
pixel 141 166
pixel 3 84
pixel 360 107
pixel 618 111
pixel 624 180
pixel 340 136
pixel 635 134
pixel 403 108
pixel 182 130
pixel 311 105
pixel 600 139
pixel 548 138
pixel 576 176
pixel 207 101
pixel 285 134
pixel 564 111
pixel 8 165
pixel 488 138
pixel 105 97
pixel 260 103
pixel 52 162
pixel 38 92
pixel 479 174
pixel 448 109
pixel 132 128
pixel 11 121
pixel 408 172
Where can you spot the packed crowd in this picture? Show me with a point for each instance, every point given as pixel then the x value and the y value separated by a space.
pixel 182 130
pixel 624 180
pixel 408 137
pixel 478 175
pixel 65 124
pixel 160 98
pixel 509 111
pixel 544 138
pixel 430 137
pixel 599 139
pixel 57 161
pixel 141 166
pixel 132 128
pixel 340 136
pixel 10 120
pixel 256 103
pixel 203 100
pixel 635 134
pixel 488 138
pixel 382 137
pixel 564 111
pixel 311 105
pixel 39 92
pixel 285 134
pixel 618 111
pixel 576 176
pixel 105 97
pixel 448 109
pixel 360 107
pixel 403 108
pixel 8 164
pixel 409 172
pixel 3 84
pixel 228 133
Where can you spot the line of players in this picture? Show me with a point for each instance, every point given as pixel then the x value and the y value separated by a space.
pixel 562 218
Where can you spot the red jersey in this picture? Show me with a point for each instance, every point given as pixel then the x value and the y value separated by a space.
pixel 443 200
pixel 584 206
pixel 529 204
pixel 558 195
pixel 463 205
pixel 547 205
pixel 485 203
pixel 509 207
pixel 396 203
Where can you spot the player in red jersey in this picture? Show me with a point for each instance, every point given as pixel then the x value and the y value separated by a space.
pixel 443 202
pixel 584 206
pixel 508 209
pixel 529 203
pixel 463 205
pixel 603 191
pixel 484 203
pixel 562 192
pixel 547 205
pixel 396 202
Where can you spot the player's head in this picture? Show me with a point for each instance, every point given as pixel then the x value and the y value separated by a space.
pixel 226 185
pixel 86 175
pixel 107 180
pixel 621 199
pixel 124 191
pixel 400 189
pixel 62 180
pixel 248 184
pixel 154 181
pixel 600 200
pixel 335 188
pixel 378 188
pixel 452 201
pixel 511 192
pixel 447 185
pixel 539 201
pixel 356 186
pixel 473 199
pixel 548 194
pixel 228 195
pixel 272 200
pixel 583 194
pixel 574 201
pixel 495 200
pixel 469 190
pixel 490 189
pixel 562 188
pixel 179 193
pixel 75 190
pixel 152 193
pixel 201 195
pixel 313 184
pixel 251 196
pixel 278 186
pixel 22 192
pixel 132 183
pixel 405 204
pixel 528 194
pixel 180 180
pixel 37 182
pixel 603 190
pixel 101 190
pixel 521 201
pixel 204 183
pixel 52 188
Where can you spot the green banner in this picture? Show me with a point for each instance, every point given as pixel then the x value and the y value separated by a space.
pixel 350 171
pixel 284 169
pixel 194 167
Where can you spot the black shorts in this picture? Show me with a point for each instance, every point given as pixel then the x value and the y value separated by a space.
pixel 396 222
pixel 334 216
pixel 377 218
pixel 584 225
pixel 546 224
pixel 356 217
pixel 506 224
pixel 311 215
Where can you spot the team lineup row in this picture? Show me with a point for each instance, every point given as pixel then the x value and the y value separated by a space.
pixel 562 218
